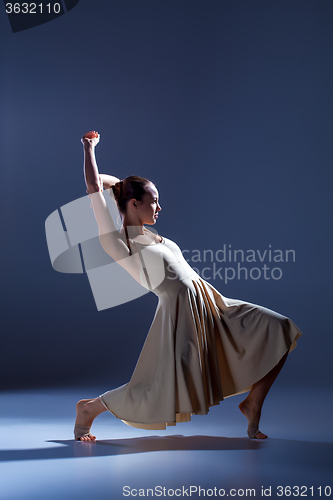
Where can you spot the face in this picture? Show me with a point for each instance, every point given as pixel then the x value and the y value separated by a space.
pixel 149 207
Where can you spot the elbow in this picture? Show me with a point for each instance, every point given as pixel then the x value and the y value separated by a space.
pixel 93 187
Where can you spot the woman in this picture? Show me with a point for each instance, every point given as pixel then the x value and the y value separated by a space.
pixel 201 347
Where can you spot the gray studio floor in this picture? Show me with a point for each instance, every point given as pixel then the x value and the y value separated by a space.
pixel 40 459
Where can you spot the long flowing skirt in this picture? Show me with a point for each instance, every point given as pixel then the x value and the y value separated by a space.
pixel 201 348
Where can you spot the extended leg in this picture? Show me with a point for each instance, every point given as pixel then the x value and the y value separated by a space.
pixel 252 405
pixel 86 412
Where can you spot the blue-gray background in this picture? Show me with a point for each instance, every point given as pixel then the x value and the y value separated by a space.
pixel 227 107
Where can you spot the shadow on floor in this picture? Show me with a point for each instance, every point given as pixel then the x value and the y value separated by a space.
pixel 109 447
pixel 317 451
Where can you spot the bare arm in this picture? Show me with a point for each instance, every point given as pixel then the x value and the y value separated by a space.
pixel 91 174
pixel 94 180
pixel 111 240
pixel 108 180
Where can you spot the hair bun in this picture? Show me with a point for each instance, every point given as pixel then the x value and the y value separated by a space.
pixel 117 189
pixel 129 188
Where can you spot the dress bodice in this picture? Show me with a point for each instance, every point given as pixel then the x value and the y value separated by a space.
pixel 163 266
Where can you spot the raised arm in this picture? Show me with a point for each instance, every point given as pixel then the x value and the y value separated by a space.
pixel 94 180
pixel 91 173
pixel 108 180
pixel 112 241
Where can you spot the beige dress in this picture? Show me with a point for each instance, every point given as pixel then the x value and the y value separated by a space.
pixel 201 348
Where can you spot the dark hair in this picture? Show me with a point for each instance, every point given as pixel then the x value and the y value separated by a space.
pixel 129 188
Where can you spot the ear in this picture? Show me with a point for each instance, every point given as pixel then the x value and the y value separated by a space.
pixel 134 203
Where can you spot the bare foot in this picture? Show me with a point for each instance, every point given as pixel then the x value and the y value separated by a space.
pixel 85 415
pixel 252 412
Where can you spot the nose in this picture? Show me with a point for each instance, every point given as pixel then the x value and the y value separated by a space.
pixel 158 207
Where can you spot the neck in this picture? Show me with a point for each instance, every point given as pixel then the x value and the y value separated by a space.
pixel 133 227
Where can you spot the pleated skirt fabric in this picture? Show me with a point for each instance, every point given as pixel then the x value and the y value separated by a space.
pixel 201 348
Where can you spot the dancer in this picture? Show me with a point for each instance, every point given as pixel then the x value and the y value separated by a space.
pixel 202 346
